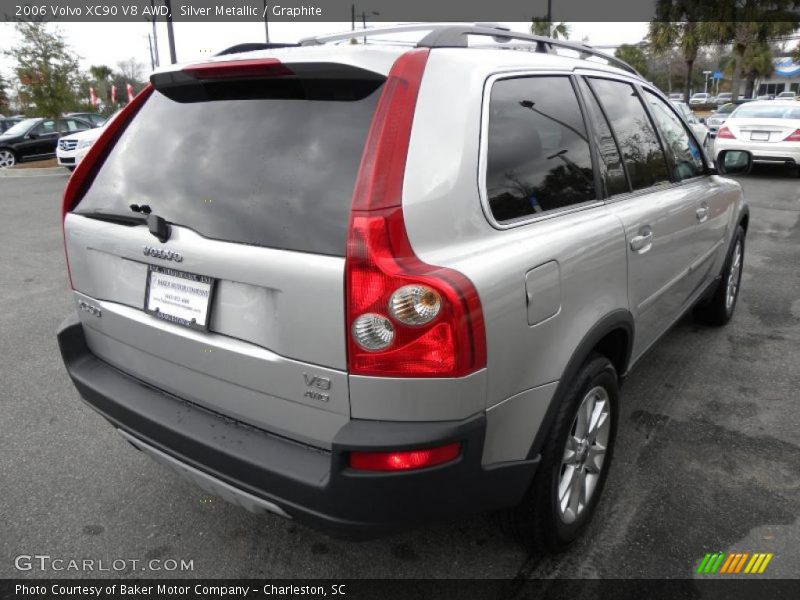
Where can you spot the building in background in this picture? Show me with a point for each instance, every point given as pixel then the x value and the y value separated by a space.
pixel 785 78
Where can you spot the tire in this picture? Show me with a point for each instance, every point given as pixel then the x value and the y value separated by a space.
pixel 8 158
pixel 546 519
pixel 718 310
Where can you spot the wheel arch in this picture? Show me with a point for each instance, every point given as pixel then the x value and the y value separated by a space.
pixel 611 336
pixel 744 218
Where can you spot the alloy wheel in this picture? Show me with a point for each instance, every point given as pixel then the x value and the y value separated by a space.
pixel 734 274
pixel 7 159
pixel 584 454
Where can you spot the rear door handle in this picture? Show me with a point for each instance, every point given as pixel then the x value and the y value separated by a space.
pixel 642 243
pixel 702 213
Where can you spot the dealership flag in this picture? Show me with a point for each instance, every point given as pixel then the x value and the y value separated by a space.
pixel 130 91
pixel 92 97
pixel 114 94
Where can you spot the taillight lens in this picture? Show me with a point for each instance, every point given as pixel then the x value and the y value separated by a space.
pixel 434 313
pixel 725 134
pixel 794 137
pixel 87 169
pixel 405 460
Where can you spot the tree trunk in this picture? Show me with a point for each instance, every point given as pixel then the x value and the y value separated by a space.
pixel 737 68
pixel 688 84
pixel 751 84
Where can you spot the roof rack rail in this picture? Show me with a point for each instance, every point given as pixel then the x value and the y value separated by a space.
pixel 456 37
pixel 252 47
pixel 449 35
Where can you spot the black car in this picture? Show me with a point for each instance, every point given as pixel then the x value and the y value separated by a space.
pixel 36 138
pixel 93 118
pixel 8 122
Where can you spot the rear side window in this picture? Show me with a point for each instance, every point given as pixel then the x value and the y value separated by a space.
pixel 268 163
pixel 685 155
pixel 538 156
pixel 616 182
pixel 637 139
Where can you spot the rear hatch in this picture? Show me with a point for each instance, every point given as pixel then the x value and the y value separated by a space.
pixel 241 309
pixel 767 123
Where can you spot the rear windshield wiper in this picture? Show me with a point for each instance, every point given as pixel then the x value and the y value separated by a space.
pixel 112 217
pixel 158 226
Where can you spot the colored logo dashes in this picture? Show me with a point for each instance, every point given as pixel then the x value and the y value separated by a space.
pixel 734 563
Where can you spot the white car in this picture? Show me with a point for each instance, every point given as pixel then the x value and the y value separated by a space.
pixel 72 148
pixel 768 129
pixel 700 98
pixel 786 96
pixel 699 128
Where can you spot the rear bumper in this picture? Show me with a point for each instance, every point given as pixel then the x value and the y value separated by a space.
pixel 763 152
pixel 261 471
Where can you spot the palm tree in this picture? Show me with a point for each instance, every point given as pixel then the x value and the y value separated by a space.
pixel 549 29
pixel 688 36
pixel 757 63
pixel 102 74
pixel 748 23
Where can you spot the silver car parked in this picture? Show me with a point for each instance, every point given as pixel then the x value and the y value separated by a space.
pixel 365 286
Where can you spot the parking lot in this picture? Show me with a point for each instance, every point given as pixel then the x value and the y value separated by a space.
pixel 706 457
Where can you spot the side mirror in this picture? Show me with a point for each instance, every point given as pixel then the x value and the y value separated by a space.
pixel 33 135
pixel 734 162
pixel 702 120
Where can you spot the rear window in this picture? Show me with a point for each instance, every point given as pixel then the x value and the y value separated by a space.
pixel 257 162
pixel 776 111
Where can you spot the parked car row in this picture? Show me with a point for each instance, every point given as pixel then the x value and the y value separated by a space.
pixel 24 139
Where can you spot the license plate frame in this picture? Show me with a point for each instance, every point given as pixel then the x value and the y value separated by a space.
pixel 759 136
pixel 202 282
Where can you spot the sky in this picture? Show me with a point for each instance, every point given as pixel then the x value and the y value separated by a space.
pixel 109 43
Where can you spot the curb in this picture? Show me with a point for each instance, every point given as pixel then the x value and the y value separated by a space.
pixel 34 172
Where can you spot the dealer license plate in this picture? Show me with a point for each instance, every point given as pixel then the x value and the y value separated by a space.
pixel 179 297
pixel 759 136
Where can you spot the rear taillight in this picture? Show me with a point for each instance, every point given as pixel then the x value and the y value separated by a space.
pixel 794 137
pixel 405 318
pixel 725 134
pixel 404 460
pixel 86 170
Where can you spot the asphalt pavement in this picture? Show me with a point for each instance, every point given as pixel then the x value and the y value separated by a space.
pixel 707 455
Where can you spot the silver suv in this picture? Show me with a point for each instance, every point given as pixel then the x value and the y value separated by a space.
pixel 364 286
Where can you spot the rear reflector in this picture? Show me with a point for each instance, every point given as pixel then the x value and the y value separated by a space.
pixel 231 69
pixel 406 460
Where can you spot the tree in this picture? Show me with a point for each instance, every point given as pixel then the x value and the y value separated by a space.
pixel 4 101
pixel 757 63
pixel 680 25
pixel 549 29
pixel 131 70
pixel 744 23
pixel 102 75
pixel 634 56
pixel 47 70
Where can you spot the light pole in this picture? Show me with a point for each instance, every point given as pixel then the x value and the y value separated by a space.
pixel 364 20
pixel 266 20
pixel 170 33
pixel 706 73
